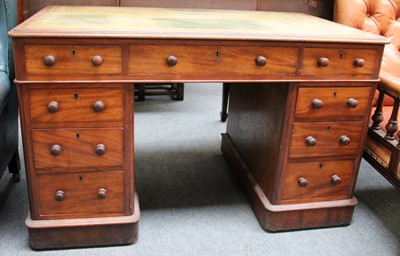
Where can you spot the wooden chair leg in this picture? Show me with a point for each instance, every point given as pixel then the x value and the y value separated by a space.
pixel 225 98
pixel 377 117
pixel 14 166
pixel 141 92
pixel 391 126
pixel 179 87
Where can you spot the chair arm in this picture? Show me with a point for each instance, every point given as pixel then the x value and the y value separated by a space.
pixel 390 84
pixel 4 89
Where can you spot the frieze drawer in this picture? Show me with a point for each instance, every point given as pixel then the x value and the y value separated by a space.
pixel 211 60
pixel 73 59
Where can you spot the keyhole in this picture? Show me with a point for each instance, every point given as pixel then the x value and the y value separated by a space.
pixel 334 94
pixel 217 54
pixel 80 178
pixel 76 96
pixel 78 136
pixel 328 128
pixel 73 53
pixel 341 55
pixel 321 165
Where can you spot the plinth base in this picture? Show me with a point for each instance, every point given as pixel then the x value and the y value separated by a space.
pixel 290 216
pixel 84 232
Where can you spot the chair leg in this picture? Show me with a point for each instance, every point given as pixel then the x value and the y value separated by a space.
pixel 142 91
pixel 179 91
pixel 14 166
pixel 225 98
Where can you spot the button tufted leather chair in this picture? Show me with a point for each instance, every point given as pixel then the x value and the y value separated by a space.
pixel 8 97
pixel 382 149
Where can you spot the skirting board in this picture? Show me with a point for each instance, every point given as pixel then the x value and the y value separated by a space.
pixel 286 217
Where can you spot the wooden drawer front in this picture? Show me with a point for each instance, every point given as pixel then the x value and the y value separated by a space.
pixel 332 103
pixel 328 139
pixel 340 61
pixel 214 60
pixel 73 59
pixel 75 105
pixel 78 148
pixel 81 193
pixel 312 181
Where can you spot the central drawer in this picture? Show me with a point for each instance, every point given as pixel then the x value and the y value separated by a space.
pixel 212 60
pixel 86 193
pixel 75 148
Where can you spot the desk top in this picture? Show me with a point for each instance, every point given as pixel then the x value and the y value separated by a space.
pixel 161 23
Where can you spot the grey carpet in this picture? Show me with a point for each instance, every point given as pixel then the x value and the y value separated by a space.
pixel 191 204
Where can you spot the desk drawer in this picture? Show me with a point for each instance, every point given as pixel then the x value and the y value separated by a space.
pixel 83 193
pixel 220 60
pixel 316 139
pixel 314 181
pixel 76 105
pixel 332 103
pixel 74 148
pixel 73 59
pixel 323 61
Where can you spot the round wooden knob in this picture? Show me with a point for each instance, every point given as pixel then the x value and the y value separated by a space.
pixel 59 196
pixel 55 150
pixel 316 103
pixel 53 107
pixel 359 62
pixel 100 149
pixel 261 61
pixel 336 180
pixel 102 193
pixel 352 103
pixel 311 141
pixel 97 60
pixel 303 182
pixel 323 62
pixel 49 60
pixel 98 106
pixel 344 140
pixel 172 60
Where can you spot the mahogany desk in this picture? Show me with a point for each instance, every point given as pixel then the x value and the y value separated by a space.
pixel 301 96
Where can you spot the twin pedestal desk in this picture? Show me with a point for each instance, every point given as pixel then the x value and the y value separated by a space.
pixel 300 100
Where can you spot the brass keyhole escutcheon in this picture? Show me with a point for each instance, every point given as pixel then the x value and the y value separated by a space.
pixel 76 96
pixel 217 54
pixel 73 53
pixel 77 136
pixel 334 94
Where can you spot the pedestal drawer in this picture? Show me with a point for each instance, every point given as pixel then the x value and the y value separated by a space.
pixel 332 103
pixel 77 194
pixel 315 139
pixel 76 105
pixel 315 181
pixel 73 59
pixel 75 148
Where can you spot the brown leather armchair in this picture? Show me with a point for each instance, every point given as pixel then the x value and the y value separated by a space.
pixel 382 149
